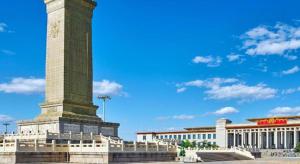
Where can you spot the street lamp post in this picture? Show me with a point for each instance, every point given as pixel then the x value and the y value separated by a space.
pixel 6 124
pixel 104 99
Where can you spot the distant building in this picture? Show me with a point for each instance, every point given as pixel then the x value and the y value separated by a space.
pixel 197 135
pixel 263 133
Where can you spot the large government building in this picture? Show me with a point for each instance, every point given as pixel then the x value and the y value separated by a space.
pixel 263 133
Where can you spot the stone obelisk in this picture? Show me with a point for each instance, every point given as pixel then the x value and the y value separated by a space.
pixel 68 102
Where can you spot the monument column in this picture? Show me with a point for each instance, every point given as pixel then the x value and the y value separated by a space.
pixel 68 104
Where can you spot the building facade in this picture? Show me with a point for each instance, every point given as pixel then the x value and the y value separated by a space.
pixel 262 133
pixel 198 135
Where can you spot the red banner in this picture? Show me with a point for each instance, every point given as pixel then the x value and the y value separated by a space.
pixel 272 121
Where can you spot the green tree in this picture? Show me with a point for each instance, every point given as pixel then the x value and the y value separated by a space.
pixel 297 149
pixel 182 152
pixel 194 144
pixel 186 144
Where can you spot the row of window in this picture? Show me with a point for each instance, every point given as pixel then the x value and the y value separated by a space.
pixel 188 136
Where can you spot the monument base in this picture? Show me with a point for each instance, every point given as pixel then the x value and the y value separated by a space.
pixel 66 125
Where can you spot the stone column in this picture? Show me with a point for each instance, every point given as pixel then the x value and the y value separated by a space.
pixel 285 139
pixel 250 138
pixel 275 138
pixel 259 139
pixel 255 139
pixel 234 138
pixel 281 139
pixel 267 140
pixel 295 138
pixel 242 136
pixel 226 139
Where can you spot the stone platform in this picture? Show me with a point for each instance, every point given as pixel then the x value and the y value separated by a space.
pixel 66 125
pixel 92 158
pixel 81 148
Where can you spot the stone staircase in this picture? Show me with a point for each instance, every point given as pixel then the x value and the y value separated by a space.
pixel 221 156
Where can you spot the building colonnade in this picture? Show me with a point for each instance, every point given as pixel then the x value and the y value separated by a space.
pixel 264 138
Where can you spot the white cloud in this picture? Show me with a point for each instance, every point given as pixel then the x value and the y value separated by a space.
pixel 233 57
pixel 209 83
pixel 291 90
pixel 106 87
pixel 291 57
pixel 285 111
pixel 180 90
pixel 184 117
pixel 5 118
pixel 3 27
pixel 177 117
pixel 7 52
pixel 291 71
pixel 35 85
pixel 210 61
pixel 242 91
pixel 226 110
pixel 23 85
pixel 230 88
pixel 195 83
pixel 277 40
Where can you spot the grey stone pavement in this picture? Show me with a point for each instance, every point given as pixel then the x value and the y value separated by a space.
pixel 258 161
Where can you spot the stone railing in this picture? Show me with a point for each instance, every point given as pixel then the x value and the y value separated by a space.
pixel 192 151
pixel 95 146
pixel 54 136
pixel 279 153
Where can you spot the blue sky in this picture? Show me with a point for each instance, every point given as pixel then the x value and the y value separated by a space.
pixel 168 64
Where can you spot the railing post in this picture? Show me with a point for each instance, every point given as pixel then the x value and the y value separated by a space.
pixel 81 135
pixel 91 135
pixel 47 133
pixel 53 145
pixel 167 146
pixel 4 145
pixel 17 144
pixel 157 146
pixel 108 145
pixel 70 135
pixel 146 145
pixel 134 146
pixel 122 146
pixel 94 145
pixel 35 145
pixel 81 145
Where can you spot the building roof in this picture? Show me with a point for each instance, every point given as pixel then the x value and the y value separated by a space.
pixel 208 128
pixel 188 130
pixel 280 117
